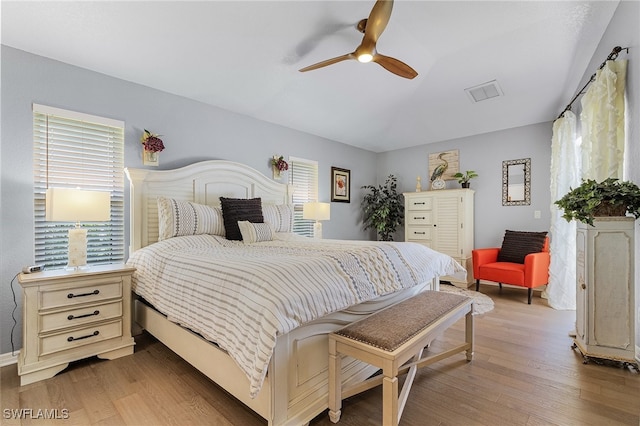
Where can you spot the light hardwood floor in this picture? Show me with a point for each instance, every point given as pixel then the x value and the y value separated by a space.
pixel 523 373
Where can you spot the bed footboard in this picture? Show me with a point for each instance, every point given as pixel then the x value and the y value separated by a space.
pixel 297 385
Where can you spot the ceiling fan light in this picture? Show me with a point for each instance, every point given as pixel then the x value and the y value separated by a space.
pixel 365 57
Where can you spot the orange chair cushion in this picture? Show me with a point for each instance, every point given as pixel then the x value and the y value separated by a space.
pixel 503 272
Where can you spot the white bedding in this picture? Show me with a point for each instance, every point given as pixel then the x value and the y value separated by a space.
pixel 242 296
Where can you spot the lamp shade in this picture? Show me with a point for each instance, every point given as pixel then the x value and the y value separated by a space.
pixel 77 205
pixel 316 211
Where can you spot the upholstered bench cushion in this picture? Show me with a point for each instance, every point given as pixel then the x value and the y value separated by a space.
pixel 393 326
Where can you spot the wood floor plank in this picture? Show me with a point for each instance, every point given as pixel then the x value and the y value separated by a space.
pixel 524 372
pixel 134 411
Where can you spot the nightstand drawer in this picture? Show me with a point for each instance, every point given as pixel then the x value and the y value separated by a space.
pixel 80 337
pixel 85 294
pixel 80 316
pixel 419 218
pixel 420 203
pixel 419 234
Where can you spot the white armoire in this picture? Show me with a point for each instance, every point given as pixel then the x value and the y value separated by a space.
pixel 605 299
pixel 443 221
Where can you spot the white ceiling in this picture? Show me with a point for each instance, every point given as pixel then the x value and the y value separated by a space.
pixel 244 56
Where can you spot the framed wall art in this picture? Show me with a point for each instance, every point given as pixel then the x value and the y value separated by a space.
pixel 340 185
pixel 444 164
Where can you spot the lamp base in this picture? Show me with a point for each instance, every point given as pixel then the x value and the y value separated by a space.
pixel 317 230
pixel 77 257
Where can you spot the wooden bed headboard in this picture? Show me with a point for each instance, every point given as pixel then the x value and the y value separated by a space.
pixel 203 183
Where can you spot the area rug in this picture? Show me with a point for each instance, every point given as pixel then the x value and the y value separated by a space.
pixel 482 302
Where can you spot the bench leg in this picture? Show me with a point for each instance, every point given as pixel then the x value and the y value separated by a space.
pixel 469 333
pixel 335 383
pixel 408 382
pixel 390 401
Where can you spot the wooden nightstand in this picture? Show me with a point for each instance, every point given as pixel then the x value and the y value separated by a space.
pixel 70 315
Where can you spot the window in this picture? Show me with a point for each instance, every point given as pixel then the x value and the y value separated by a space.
pixel 75 150
pixel 303 174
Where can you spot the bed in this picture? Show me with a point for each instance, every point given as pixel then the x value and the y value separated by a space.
pixel 291 387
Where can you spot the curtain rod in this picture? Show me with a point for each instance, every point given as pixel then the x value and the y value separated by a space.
pixel 612 57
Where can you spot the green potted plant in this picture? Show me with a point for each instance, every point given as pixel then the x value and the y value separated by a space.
pixel 591 199
pixel 383 208
pixel 464 178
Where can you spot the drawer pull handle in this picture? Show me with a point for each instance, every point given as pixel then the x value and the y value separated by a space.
pixel 419 217
pixel 72 317
pixel 419 233
pixel 71 295
pixel 71 339
pixel 419 204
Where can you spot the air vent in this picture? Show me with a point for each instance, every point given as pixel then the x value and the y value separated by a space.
pixel 484 91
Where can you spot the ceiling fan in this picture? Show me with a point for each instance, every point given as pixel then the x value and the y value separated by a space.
pixel 372 28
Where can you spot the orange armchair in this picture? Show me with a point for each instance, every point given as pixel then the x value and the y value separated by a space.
pixel 534 272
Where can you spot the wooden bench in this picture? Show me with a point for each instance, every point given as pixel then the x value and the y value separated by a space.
pixel 390 338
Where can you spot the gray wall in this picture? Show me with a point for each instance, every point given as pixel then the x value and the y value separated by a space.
pixel 484 154
pixel 192 131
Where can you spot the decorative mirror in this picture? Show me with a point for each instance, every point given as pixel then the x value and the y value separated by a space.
pixel 516 182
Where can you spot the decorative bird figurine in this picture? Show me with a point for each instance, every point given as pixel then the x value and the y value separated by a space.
pixel 440 168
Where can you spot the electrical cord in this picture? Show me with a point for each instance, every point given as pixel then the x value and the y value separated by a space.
pixel 13 314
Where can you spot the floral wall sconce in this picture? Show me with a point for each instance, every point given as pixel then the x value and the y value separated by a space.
pixel 278 165
pixel 152 146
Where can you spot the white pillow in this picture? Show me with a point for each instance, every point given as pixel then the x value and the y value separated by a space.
pixel 279 216
pixel 255 232
pixel 177 218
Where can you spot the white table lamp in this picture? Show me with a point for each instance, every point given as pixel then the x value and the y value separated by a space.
pixel 77 205
pixel 316 211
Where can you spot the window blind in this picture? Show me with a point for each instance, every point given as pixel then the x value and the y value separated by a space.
pixel 303 174
pixel 76 150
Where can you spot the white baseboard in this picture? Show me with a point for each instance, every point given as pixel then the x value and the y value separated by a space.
pixel 9 358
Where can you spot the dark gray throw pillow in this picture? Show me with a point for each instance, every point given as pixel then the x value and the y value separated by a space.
pixel 235 209
pixel 517 244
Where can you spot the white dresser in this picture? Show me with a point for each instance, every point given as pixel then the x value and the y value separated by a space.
pixel 70 315
pixel 443 221
pixel 605 298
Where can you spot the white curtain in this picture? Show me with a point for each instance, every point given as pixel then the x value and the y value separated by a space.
pixel 600 155
pixel 602 119
pixel 565 174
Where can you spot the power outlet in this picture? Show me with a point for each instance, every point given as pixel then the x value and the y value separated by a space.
pixel 536 214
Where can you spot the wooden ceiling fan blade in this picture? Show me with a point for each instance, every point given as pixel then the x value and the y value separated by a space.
pixel 378 20
pixel 328 62
pixel 395 66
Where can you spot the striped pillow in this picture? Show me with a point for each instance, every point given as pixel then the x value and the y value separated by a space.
pixel 279 216
pixel 255 232
pixel 236 209
pixel 178 218
pixel 517 244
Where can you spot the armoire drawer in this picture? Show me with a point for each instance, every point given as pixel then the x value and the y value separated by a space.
pixel 419 218
pixel 420 203
pixel 420 233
